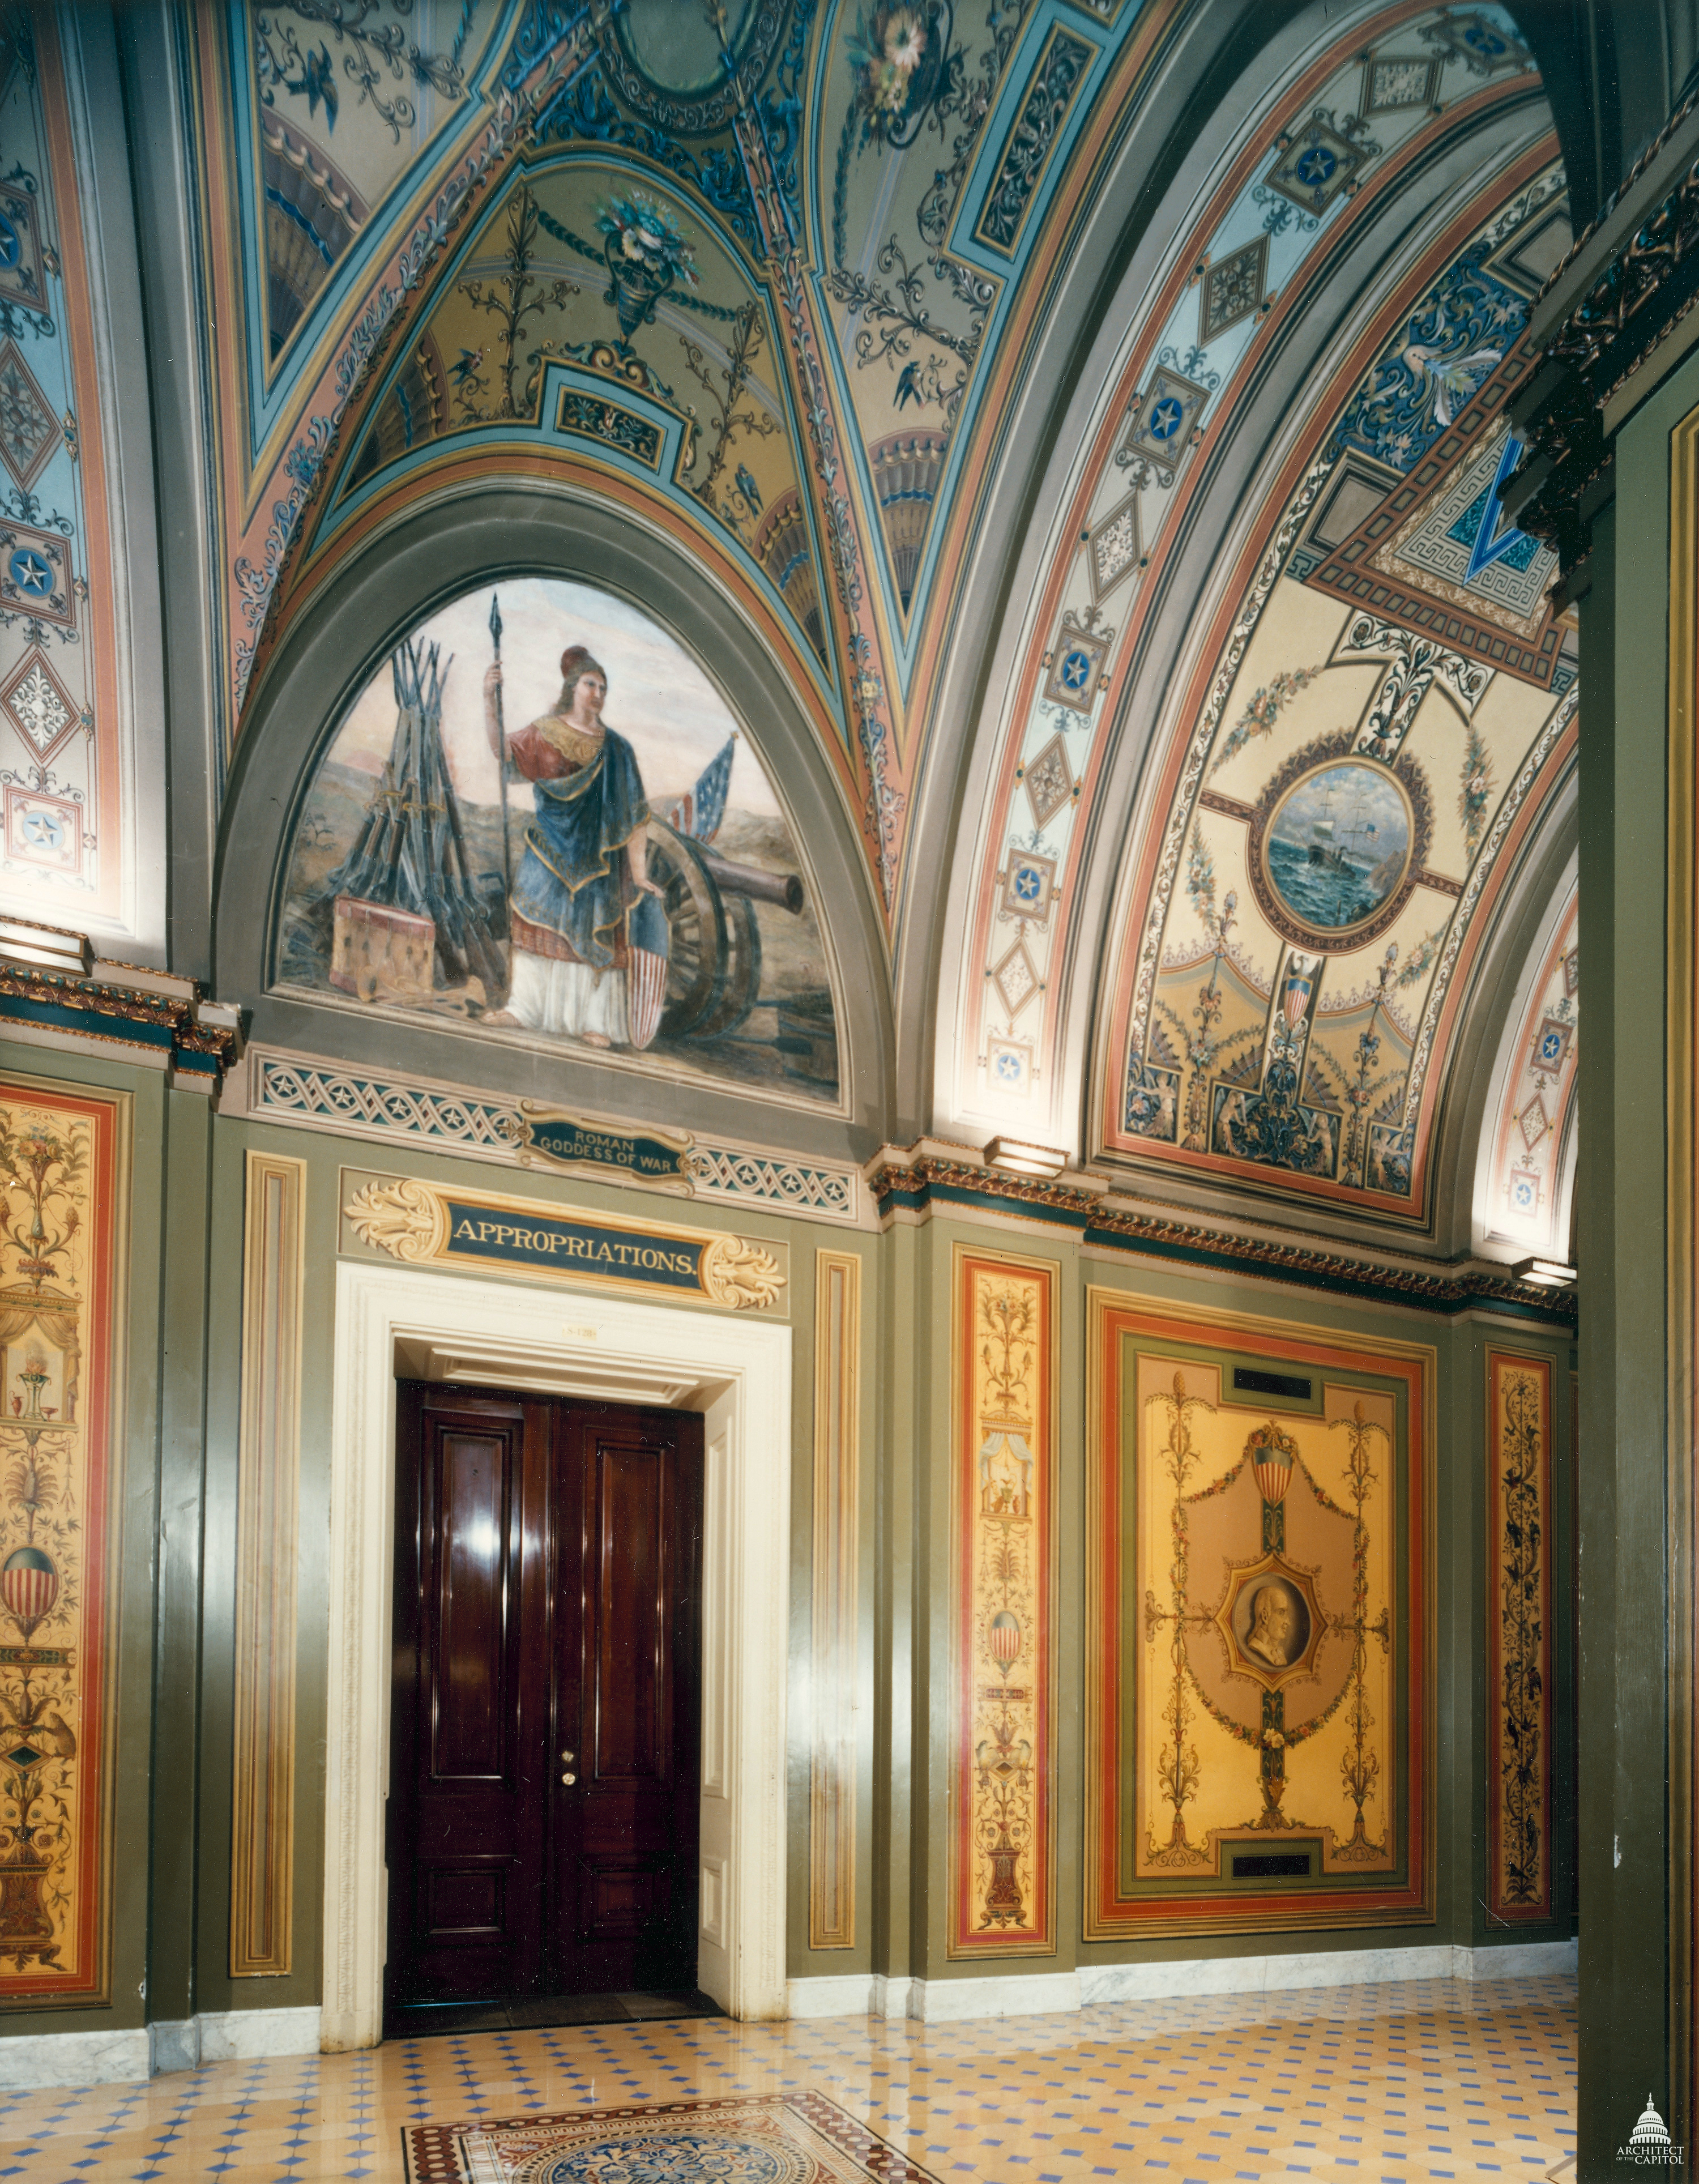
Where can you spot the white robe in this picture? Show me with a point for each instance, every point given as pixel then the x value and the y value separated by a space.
pixel 568 1000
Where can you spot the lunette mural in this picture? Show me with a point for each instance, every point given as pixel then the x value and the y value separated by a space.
pixel 483 844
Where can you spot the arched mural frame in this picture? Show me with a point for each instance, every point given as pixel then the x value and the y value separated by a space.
pixel 1012 556
pixel 444 545
pixel 1253 442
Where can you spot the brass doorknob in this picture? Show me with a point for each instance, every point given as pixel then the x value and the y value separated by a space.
pixel 569 1778
pixel 567 1756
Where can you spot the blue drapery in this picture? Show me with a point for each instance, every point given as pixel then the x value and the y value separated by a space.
pixel 573 879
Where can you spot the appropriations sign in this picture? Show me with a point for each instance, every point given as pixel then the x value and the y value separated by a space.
pixel 432 1224
pixel 65 1154
pixel 1002 1880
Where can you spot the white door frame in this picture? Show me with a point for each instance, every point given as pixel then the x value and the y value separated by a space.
pixel 738 1372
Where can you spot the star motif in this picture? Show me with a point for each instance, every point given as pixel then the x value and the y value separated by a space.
pixel 31 573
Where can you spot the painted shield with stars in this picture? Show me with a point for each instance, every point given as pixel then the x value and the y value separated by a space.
pixel 1295 995
pixel 1271 1458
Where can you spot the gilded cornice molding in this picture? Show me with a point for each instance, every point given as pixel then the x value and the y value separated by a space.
pixel 922 1184
pixel 150 1016
pixel 1621 290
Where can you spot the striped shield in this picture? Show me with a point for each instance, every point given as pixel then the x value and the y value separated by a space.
pixel 646 977
pixel 1295 995
pixel 1006 1637
pixel 29 1584
pixel 1273 1465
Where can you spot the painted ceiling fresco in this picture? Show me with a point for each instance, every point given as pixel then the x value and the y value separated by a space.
pixel 1385 713
pixel 628 884
pixel 758 267
pixel 65 858
pixel 1383 706
pixel 772 276
pixel 1529 1156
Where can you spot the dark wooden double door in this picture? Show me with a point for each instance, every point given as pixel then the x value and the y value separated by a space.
pixel 546 1714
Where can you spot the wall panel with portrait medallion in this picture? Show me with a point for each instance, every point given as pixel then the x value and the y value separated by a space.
pixel 1258 1703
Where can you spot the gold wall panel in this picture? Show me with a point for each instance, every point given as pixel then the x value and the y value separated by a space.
pixel 1257 1625
pixel 1002 1841
pixel 268 1481
pixel 1519 1636
pixel 837 1486
pixel 64 1197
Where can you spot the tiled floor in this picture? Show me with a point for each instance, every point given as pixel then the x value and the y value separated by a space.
pixel 1423 2079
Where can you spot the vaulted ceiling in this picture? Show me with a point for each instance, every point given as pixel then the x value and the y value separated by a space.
pixel 1090 411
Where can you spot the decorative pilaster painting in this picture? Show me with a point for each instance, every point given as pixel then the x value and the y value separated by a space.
pixel 1256 1627
pixel 62 1156
pixel 1519 1636
pixel 1002 1846
pixel 65 818
pixel 540 824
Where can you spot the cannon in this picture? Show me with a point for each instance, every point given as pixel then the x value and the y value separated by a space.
pixel 713 955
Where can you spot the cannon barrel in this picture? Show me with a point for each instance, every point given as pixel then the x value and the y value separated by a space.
pixel 785 888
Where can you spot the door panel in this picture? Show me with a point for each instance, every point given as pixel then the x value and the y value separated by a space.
pixel 632 1670
pixel 470 1718
pixel 546 1714
pixel 471 1635
pixel 625 1904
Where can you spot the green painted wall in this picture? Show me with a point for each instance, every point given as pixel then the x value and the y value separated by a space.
pixel 1633 1968
pixel 176 1652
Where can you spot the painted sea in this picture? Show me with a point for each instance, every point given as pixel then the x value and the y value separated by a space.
pixel 1339 845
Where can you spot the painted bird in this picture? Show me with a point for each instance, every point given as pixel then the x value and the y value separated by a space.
pixel 318 80
pixel 909 385
pixel 747 485
pixel 470 360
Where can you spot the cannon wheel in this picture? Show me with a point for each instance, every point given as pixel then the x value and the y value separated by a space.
pixel 696 923
pixel 742 979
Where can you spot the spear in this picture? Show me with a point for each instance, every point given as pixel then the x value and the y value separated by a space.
pixel 501 775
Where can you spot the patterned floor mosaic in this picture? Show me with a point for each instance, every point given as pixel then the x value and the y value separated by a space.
pixel 1359 2085
pixel 803 2140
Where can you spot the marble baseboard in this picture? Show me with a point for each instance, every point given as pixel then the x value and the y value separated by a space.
pixel 1030 1994
pixel 938 2002
pixel 846 1994
pixel 72 2058
pixel 1152 1982
pixel 103 2058
pixel 233 2036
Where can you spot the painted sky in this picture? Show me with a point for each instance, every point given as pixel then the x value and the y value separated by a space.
pixel 658 697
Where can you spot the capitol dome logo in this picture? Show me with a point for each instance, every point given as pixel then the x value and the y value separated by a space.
pixel 1650 2146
